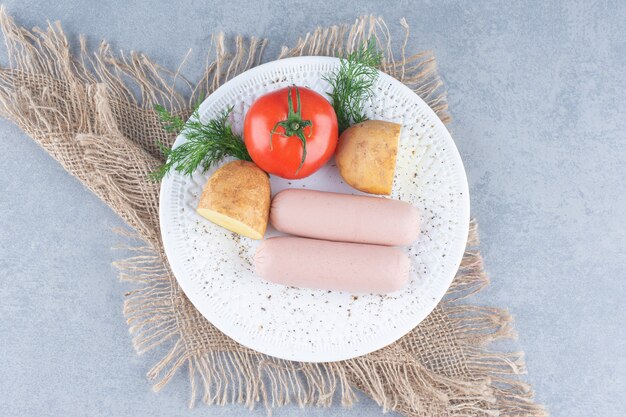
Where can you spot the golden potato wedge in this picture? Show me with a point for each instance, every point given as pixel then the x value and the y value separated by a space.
pixel 237 197
pixel 366 155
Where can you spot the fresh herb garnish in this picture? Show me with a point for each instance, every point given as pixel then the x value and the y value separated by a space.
pixel 206 144
pixel 353 83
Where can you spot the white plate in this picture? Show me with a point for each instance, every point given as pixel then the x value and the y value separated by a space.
pixel 214 268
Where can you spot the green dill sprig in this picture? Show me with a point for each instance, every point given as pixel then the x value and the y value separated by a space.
pixel 206 144
pixel 352 84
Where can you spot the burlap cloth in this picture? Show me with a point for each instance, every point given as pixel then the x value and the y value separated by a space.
pixel 93 113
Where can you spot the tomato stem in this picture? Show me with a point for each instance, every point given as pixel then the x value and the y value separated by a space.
pixel 293 125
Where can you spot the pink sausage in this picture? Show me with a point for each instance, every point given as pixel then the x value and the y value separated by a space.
pixel 345 218
pixel 339 266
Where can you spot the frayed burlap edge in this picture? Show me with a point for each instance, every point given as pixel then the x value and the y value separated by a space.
pixel 93 114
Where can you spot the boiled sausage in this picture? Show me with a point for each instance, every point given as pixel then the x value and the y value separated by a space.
pixel 345 218
pixel 326 265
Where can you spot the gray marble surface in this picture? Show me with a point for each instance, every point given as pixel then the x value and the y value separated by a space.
pixel 538 93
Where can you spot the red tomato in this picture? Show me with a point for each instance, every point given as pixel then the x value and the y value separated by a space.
pixel 291 132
